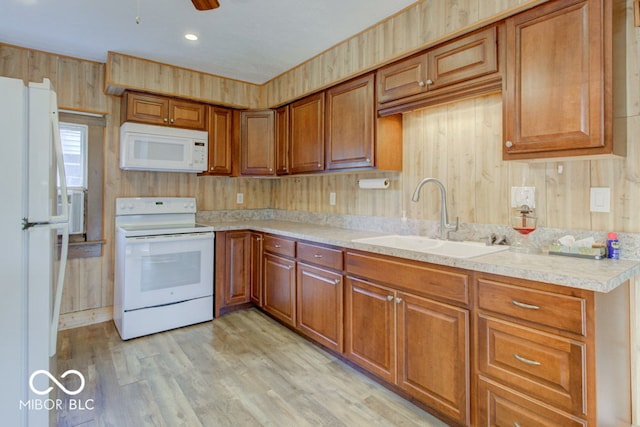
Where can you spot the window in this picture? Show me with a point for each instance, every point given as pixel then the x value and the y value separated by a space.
pixel 82 139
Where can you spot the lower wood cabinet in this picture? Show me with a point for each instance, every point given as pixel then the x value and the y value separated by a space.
pixel 419 344
pixel 232 269
pixel 319 305
pixel 279 288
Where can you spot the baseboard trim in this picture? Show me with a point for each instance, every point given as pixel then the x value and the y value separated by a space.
pixel 77 319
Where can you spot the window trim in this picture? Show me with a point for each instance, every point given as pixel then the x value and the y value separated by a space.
pixel 91 245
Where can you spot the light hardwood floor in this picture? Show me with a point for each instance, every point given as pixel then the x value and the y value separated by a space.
pixel 242 369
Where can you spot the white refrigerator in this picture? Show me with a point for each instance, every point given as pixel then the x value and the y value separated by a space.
pixel 31 164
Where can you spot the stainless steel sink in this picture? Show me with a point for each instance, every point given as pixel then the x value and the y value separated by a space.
pixel 433 246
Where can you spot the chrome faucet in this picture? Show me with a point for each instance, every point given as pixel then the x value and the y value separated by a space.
pixel 445 227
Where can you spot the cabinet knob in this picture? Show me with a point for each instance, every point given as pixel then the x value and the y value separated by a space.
pixel 270 169
pixel 171 120
pixel 368 161
pixel 319 165
pixel 422 84
pixel 166 120
pixel 289 267
pixel 337 281
pixel 389 297
pixel 398 300
pixel 508 144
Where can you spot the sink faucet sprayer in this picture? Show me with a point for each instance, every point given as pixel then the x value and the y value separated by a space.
pixel 445 227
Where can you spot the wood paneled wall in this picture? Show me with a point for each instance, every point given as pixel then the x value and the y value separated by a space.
pixel 425 24
pixel 128 72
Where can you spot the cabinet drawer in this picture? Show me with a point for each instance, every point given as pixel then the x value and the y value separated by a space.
pixel 280 246
pixel 543 366
pixel 564 312
pixel 319 255
pixel 499 406
pixel 419 277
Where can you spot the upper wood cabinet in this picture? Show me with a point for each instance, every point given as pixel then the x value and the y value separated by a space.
pixel 282 141
pixel 257 142
pixel 161 110
pixel 558 87
pixel 468 65
pixel 306 135
pixel 350 124
pixel 220 141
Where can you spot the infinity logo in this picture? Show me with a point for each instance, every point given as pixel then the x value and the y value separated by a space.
pixel 52 378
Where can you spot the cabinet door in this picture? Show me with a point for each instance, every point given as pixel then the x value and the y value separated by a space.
pixel 370 327
pixel 282 140
pixel 220 141
pixel 402 79
pixel 256 269
pixel 319 305
pixel 553 100
pixel 257 136
pixel 433 354
pixel 144 108
pixel 306 136
pixel 350 121
pixel 279 288
pixel 187 114
pixel 238 262
pixel 463 60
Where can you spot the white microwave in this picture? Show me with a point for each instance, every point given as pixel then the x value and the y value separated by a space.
pixel 162 148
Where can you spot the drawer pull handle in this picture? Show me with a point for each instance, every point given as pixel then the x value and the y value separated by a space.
pixel 516 424
pixel 317 256
pixel 389 297
pixel 277 246
pixel 527 306
pixel 527 361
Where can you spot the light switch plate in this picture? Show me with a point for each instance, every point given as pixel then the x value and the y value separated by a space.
pixel 600 199
pixel 523 196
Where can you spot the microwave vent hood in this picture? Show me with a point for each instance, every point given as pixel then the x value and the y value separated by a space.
pixel 162 148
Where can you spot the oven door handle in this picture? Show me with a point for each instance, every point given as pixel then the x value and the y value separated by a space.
pixel 170 238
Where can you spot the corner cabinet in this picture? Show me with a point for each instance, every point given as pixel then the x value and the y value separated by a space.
pixel 232 270
pixel 257 142
pixel 160 110
pixel 557 93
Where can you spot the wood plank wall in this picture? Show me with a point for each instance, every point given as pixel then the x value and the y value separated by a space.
pixel 459 143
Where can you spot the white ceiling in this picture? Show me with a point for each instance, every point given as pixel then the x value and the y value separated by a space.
pixel 249 40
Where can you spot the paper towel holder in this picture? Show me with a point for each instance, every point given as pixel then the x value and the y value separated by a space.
pixel 374 183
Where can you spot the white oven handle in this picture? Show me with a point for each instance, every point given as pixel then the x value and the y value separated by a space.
pixel 170 238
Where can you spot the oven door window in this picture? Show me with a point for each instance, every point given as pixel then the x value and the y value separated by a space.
pixel 167 269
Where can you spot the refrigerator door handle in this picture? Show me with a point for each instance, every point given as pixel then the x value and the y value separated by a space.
pixel 63 217
pixel 55 315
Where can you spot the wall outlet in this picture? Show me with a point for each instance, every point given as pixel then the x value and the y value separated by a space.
pixel 523 196
pixel 332 198
pixel 239 198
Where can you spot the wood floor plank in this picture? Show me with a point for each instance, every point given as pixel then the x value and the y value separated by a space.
pixel 243 369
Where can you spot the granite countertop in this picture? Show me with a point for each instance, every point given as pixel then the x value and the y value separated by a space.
pixel 595 275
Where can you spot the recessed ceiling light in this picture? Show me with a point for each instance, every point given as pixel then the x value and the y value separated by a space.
pixel 190 36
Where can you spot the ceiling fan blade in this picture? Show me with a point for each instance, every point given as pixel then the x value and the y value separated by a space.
pixel 205 4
